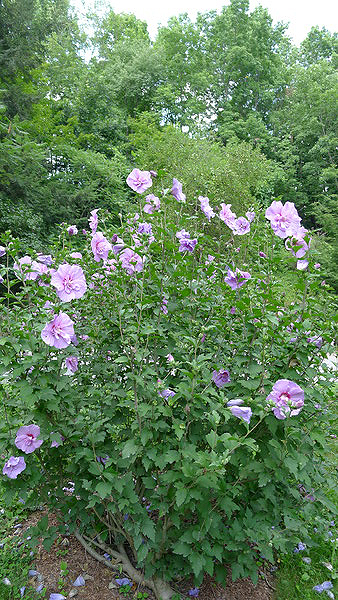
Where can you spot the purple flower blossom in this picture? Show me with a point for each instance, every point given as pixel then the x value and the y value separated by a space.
pixel 250 215
pixel 27 438
pixel 102 459
pixel 100 246
pixel 194 592
pixel 69 281
pixel 57 597
pixel 221 377
pixel 14 466
pixel 316 339
pixel 55 443
pixel 176 191
pixel 166 394
pixel 170 358
pixel 232 310
pixel 241 226
pixel 242 412
pixel 72 230
pixel 262 254
pixel 302 265
pixel 164 307
pixel 297 245
pixel 118 245
pixel 187 245
pixel 235 402
pixel 299 548
pixel 107 556
pixel 145 228
pixel 205 207
pixel 29 269
pixel 139 181
pixel 72 364
pixel 236 279
pixel 152 204
pixel 131 261
pixel 210 259
pixel 59 331
pixel 317 265
pixel 153 173
pixel 227 215
pixel 284 220
pixel 123 581
pixel 286 399
pixel 76 255
pixel 2 251
pixel 46 259
pixel 93 220
pixel 326 585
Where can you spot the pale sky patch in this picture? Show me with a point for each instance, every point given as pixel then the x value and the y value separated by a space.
pixel 301 14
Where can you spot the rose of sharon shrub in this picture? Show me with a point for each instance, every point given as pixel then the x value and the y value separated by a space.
pixel 188 426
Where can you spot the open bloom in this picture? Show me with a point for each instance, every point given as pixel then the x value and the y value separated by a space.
pixel 14 466
pixel 286 399
pixel 284 220
pixel 69 281
pixel 241 226
pixel 139 181
pixel 131 261
pixel 176 191
pixel 220 378
pixel 205 207
pixel 299 243
pixel 242 412
pixel 29 269
pixel 236 279
pixel 166 394
pixel 59 332
pixel 27 438
pixel 187 245
pixel 152 204
pixel 100 246
pixel 227 215
pixel 250 215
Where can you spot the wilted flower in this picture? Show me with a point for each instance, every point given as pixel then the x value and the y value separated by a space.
pixel 100 246
pixel 235 402
pixel 236 279
pixel 242 412
pixel 145 228
pixel 205 207
pixel 69 281
pixel 170 358
pixel 72 230
pixel 2 251
pixel 286 399
pixel 176 191
pixel 232 310
pixel 59 331
pixel 79 581
pixel 57 597
pixel 164 307
pixel 262 254
pixel 72 364
pixel 194 592
pixel 297 244
pixel 14 466
pixel 123 581
pixel 46 259
pixel 55 443
pixel 139 181
pixel 227 215
pixel 326 585
pixel 93 220
pixel 152 204
pixel 307 560
pixel 220 378
pixel 27 438
pixel 187 245
pixel 131 261
pixel 284 220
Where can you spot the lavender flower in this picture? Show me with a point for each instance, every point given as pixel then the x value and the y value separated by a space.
pixel 205 207
pixel 69 281
pixel 152 204
pixel 284 220
pixel 72 364
pixel 100 246
pixel 236 279
pixel 194 592
pixel 176 191
pixel 93 220
pixel 123 581
pixel 286 399
pixel 72 230
pixel 14 466
pixel 242 412
pixel 59 331
pixel 27 438
pixel 220 378
pixel 139 181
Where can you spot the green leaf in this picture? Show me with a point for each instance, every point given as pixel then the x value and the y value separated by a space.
pixel 180 495
pixel 104 489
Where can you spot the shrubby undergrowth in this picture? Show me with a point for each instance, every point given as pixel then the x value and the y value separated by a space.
pixel 160 393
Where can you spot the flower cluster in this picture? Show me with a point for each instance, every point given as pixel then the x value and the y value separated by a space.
pixel 286 224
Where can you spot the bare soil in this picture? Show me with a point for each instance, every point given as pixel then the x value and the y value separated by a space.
pixel 100 580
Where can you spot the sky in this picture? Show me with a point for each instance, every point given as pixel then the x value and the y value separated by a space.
pixel 301 14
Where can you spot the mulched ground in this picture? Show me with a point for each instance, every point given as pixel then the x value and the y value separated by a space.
pixel 100 581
